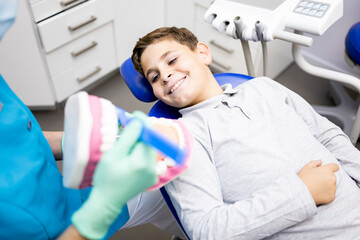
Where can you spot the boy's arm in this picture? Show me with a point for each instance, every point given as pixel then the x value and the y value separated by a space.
pixel 54 139
pixel 198 198
pixel 327 133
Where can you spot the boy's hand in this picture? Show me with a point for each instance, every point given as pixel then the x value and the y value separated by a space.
pixel 320 180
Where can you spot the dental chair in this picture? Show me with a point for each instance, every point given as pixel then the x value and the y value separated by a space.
pixel 344 112
pixel 142 90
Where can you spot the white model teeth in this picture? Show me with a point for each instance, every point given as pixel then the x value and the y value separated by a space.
pixel 167 162
pixel 109 125
pixel 176 85
pixel 161 168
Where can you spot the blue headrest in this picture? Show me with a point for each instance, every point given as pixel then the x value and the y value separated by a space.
pixel 137 84
pixel 352 43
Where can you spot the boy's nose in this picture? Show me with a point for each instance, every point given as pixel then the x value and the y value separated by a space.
pixel 166 79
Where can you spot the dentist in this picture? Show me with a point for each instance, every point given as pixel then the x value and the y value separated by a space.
pixel 33 202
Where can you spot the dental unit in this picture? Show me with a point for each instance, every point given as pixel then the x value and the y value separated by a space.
pixel 287 20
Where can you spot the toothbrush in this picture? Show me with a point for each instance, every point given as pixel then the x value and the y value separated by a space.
pixel 154 139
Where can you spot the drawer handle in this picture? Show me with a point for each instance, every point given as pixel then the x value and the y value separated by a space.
pixel 221 47
pixel 66 3
pixel 85 49
pixel 226 67
pixel 81 79
pixel 80 25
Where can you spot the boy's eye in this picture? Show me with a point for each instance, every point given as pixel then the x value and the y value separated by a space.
pixel 172 61
pixel 155 78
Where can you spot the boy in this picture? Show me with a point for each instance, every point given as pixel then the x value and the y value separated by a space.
pixel 252 176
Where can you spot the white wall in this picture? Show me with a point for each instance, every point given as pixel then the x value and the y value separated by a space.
pixel 328 50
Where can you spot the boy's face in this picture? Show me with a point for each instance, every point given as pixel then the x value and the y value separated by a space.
pixel 177 75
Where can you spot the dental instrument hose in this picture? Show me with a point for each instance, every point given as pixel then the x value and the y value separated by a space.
pixel 265 57
pixel 240 26
pixel 261 33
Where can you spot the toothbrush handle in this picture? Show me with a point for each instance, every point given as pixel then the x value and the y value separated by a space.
pixel 153 138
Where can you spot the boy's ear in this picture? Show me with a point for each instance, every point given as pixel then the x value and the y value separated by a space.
pixel 204 53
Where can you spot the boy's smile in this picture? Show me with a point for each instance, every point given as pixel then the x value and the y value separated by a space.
pixel 176 85
pixel 177 74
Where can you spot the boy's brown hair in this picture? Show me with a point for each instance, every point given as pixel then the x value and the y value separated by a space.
pixel 180 35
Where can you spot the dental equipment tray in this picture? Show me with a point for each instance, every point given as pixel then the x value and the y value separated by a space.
pixel 313 17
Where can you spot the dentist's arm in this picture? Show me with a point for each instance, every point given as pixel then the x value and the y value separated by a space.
pixel 54 139
pixel 71 233
pixel 123 172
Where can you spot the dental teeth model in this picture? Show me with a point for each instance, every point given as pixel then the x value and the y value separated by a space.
pixel 91 127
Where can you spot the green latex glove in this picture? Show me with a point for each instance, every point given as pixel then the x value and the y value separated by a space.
pixel 124 171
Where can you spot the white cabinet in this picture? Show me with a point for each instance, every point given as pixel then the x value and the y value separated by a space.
pixel 75 22
pixel 22 64
pixel 43 9
pixel 82 61
pixel 70 44
pixel 79 45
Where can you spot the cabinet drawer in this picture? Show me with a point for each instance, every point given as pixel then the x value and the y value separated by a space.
pixel 42 9
pixel 81 49
pixel 74 23
pixel 84 74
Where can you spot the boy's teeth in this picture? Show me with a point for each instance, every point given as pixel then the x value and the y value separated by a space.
pixel 176 85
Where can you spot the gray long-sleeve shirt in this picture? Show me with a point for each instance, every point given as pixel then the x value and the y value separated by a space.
pixel 250 143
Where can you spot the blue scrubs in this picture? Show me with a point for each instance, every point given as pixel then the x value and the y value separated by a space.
pixel 33 202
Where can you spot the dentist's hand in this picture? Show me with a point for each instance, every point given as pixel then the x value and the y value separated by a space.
pixel 123 172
